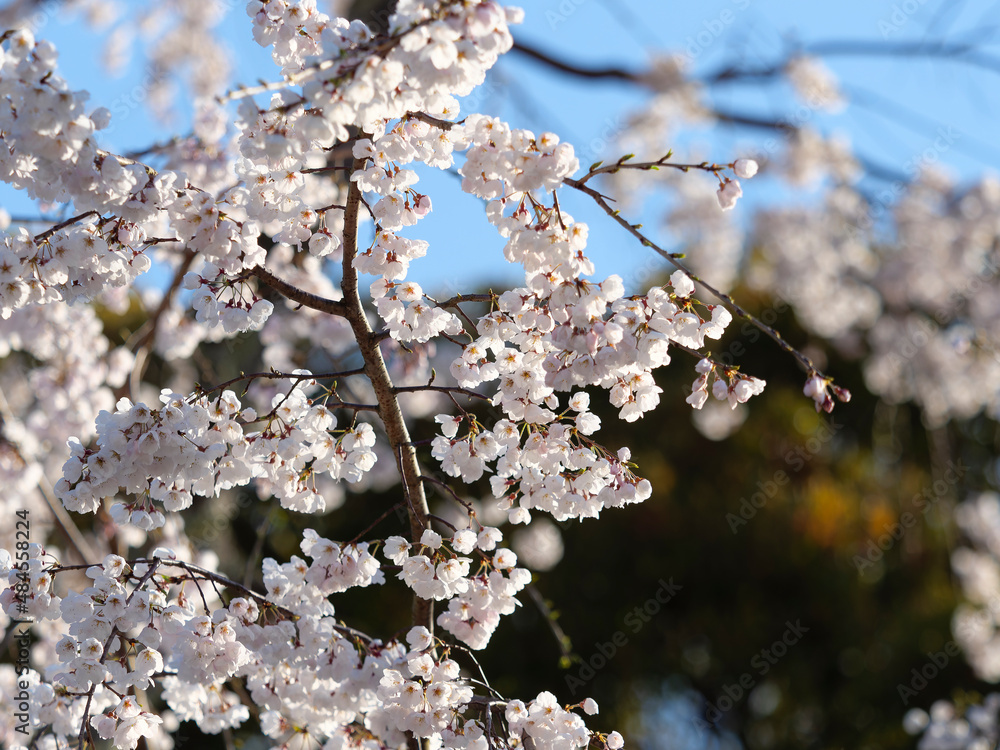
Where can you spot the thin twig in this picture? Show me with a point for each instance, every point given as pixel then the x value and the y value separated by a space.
pixel 273 375
pixel 624 163
pixel 63 224
pixel 440 389
pixel 562 639
pixel 375 523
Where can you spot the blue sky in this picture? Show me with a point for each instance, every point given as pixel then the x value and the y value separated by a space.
pixel 899 104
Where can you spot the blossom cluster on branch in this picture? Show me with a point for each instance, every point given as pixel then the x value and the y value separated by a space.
pixel 255 217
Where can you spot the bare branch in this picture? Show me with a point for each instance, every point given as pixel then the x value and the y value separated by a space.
pixel 306 299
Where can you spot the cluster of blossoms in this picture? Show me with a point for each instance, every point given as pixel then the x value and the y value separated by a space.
pixel 476 601
pixel 730 386
pixel 303 588
pixel 904 280
pixel 308 675
pixel 72 381
pixel 123 204
pixel 198 446
pixel 555 337
pixel 109 645
pixel 408 316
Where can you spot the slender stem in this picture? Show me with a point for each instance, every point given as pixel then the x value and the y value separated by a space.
pixel 385 392
pixel 375 523
pixel 459 298
pixel 565 646
pixel 281 376
pixel 623 163
pixel 440 389
pixel 62 225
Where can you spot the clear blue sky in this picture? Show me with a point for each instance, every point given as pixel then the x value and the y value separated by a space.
pixel 898 103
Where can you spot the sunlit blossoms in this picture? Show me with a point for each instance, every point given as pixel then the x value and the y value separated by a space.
pixel 258 224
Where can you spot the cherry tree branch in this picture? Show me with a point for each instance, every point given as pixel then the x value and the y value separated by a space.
pixel 297 377
pixel 624 163
pixel 385 393
pixel 215 578
pixel 306 299
pixel 63 224
pixel 460 298
pixel 440 389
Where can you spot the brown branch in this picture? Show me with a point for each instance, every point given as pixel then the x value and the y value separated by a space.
pixel 961 52
pixel 454 495
pixel 624 163
pixel 456 303
pixel 460 298
pixel 306 299
pixel 440 389
pixel 62 225
pixel 432 120
pixel 385 393
pixel 751 121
